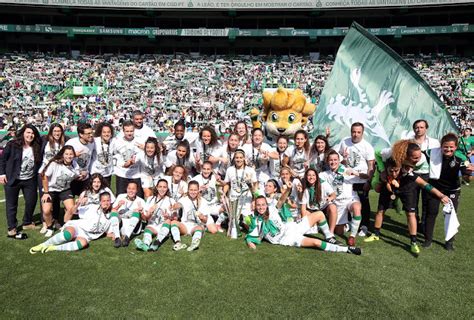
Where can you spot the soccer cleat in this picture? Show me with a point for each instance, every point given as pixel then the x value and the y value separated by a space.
pixel 426 244
pixel 117 243
pixel 351 242
pixel 194 245
pixel 48 249
pixel 38 248
pixel 332 240
pixel 414 248
pixel 49 233
pixel 449 246
pixel 179 246
pixel 155 245
pixel 141 245
pixel 354 250
pixel 372 238
pixel 125 241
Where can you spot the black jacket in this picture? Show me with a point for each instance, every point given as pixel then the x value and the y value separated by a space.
pixel 10 162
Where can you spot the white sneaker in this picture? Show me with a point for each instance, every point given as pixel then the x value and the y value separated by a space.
pixel 44 229
pixel 194 245
pixel 363 231
pixel 49 233
pixel 179 246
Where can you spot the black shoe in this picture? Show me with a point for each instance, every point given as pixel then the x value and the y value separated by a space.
pixel 117 243
pixel 333 240
pixel 449 246
pixel 126 241
pixel 426 244
pixel 354 250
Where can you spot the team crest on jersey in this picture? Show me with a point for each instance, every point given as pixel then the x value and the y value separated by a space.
pixel 346 111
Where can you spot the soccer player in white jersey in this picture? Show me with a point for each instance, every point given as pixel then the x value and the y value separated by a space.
pixel 126 168
pixel 151 166
pixel 359 155
pixel 126 211
pixel 193 219
pixel 57 177
pixel 84 147
pixel 159 214
pixel 267 224
pixel 91 226
pixel 346 202
pixel 102 160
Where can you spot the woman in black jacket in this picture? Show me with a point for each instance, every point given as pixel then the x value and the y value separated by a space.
pixel 19 166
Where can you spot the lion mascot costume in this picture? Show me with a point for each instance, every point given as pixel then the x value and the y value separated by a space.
pixel 285 111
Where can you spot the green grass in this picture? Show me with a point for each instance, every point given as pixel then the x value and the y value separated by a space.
pixel 223 279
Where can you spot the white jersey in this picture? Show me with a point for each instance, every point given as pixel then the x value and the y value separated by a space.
pixel 102 158
pixel 276 164
pixel 208 188
pixel 141 135
pixel 171 142
pixel 254 157
pixel 83 153
pixel 150 167
pixel 124 150
pixel 240 181
pixel 205 152
pixel 49 154
pixel 359 154
pixel 92 199
pixel 177 190
pixel 298 158
pixel 339 183
pixel 326 191
pixel 191 210
pixel 276 220
pixel 60 176
pixel 229 155
pixel 92 225
pixel 162 207
pixel 129 206
pixel 172 160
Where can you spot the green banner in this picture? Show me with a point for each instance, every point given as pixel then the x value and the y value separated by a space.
pixel 370 83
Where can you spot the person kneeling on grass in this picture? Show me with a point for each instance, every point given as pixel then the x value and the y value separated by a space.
pixel 126 211
pixel 158 213
pixel 91 226
pixel 266 224
pixel 193 220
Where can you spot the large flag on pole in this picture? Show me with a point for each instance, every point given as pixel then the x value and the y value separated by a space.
pixel 370 83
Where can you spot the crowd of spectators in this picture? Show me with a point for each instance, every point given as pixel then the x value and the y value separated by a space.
pixel 38 88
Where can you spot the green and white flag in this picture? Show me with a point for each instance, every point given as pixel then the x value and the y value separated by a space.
pixel 372 84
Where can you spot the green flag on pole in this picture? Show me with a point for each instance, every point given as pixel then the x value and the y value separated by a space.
pixel 370 83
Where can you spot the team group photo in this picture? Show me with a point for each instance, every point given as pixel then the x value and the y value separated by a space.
pixel 176 182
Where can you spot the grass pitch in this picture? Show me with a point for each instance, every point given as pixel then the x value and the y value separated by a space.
pixel 224 279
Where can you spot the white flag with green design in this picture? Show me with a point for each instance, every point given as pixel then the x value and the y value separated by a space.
pixel 372 84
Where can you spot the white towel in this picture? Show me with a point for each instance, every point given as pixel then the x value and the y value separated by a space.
pixel 451 222
pixel 436 162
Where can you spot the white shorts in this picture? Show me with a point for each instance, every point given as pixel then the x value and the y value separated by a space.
pixel 189 227
pixel 343 209
pixel 211 209
pixel 295 232
pixel 83 229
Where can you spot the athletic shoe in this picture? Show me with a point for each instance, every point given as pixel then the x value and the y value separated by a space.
pixel 415 249
pixel 140 245
pixel 426 244
pixel 125 241
pixel 194 245
pixel 48 249
pixel 30 226
pixel 351 242
pixel 449 246
pixel 117 242
pixel 43 229
pixel 363 231
pixel 155 245
pixel 38 248
pixel 179 246
pixel 332 240
pixel 354 250
pixel 372 238
pixel 49 233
